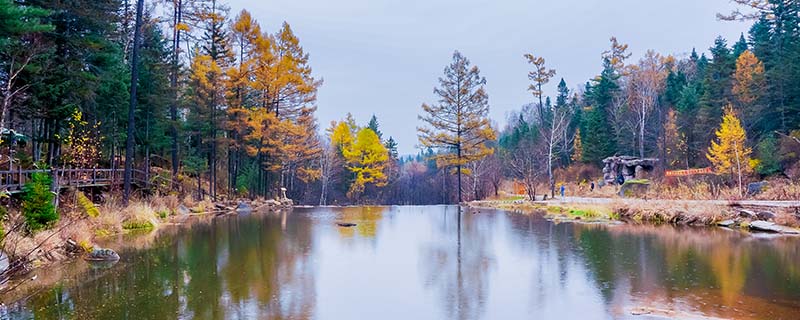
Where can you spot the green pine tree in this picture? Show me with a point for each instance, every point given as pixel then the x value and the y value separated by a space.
pixel 37 202
pixel 597 133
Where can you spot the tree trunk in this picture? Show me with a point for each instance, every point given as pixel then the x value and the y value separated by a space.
pixel 173 108
pixel 132 107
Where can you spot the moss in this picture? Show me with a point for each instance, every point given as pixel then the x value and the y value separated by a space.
pixel 163 214
pixel 555 209
pixel 637 181
pixel 88 247
pixel 87 205
pixel 137 225
pixel 103 232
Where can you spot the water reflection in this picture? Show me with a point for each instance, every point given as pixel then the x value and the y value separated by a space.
pixel 457 262
pixel 427 263
pixel 365 218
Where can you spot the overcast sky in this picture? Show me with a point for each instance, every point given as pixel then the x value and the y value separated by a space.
pixel 384 57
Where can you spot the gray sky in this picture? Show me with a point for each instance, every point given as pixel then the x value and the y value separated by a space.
pixel 384 57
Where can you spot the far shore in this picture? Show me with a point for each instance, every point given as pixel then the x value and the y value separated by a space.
pixel 782 217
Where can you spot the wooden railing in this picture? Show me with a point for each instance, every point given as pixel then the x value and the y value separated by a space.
pixel 14 180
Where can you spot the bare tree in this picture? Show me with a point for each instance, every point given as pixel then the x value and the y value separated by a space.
pixel 645 86
pixel 11 89
pixel 553 133
pixel 330 166
pixel 525 162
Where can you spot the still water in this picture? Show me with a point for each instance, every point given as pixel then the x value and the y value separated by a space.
pixel 421 263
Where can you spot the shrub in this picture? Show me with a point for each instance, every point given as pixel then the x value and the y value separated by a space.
pixel 37 202
pixel 87 205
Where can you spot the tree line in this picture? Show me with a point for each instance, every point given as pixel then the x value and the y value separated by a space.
pixel 736 110
pixel 225 108
pixel 216 98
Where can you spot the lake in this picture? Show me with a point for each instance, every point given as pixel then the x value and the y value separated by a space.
pixel 425 263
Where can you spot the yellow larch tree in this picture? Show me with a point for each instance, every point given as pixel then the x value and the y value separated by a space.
pixel 729 153
pixel 366 158
pixel 749 85
pixel 246 35
pixel 292 86
pixel 748 80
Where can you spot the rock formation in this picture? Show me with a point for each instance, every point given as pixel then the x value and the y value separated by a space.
pixel 627 167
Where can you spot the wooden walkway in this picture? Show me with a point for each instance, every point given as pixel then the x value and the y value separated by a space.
pixel 13 181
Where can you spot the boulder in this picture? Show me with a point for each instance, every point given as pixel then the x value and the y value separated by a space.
pixel 634 188
pixel 727 223
pixel 765 215
pixel 243 207
pixel 100 254
pixel 3 261
pixel 183 210
pixel 747 214
pixel 764 226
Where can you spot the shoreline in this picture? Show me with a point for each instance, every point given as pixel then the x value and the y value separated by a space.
pixel 782 219
pixel 77 235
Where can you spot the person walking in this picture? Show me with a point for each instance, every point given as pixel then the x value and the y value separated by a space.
pixel 562 191
pixel 591 187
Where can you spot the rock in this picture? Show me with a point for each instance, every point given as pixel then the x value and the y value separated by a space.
pixel 634 188
pixel 787 230
pixel 100 254
pixel 287 202
pixel 747 214
pixel 765 215
pixel 755 188
pixel 72 247
pixel 272 203
pixel 243 207
pixel 183 210
pixel 346 224
pixel 3 261
pixel 627 166
pixel 764 226
pixel 727 223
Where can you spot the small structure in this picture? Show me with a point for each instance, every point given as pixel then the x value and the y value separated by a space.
pixel 626 168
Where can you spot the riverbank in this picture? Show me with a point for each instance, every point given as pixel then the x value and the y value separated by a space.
pixel 774 217
pixel 82 225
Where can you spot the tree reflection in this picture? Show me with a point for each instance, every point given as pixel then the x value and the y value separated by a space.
pixel 241 268
pixel 365 218
pixel 714 266
pixel 457 263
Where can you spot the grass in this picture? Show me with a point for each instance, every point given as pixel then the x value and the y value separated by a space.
pixel 137 225
pixel 583 212
pixel 86 205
